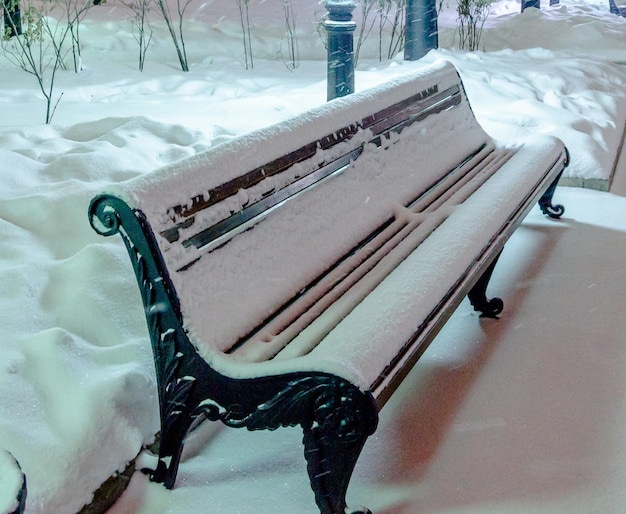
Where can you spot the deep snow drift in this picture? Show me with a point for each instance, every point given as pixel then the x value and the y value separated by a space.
pixel 76 379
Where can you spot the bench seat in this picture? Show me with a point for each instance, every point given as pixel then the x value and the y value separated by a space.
pixel 374 321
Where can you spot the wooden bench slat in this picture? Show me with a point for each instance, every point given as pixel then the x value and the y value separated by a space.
pixel 381 124
pixel 408 230
pixel 219 233
pixel 274 335
pixel 362 332
pixel 213 236
pixel 399 366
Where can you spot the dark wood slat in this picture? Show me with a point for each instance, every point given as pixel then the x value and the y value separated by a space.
pixel 425 199
pixel 381 125
pixel 401 112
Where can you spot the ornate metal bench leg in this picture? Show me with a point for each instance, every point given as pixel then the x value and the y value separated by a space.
pixel 179 396
pixel 343 419
pixel 489 308
pixel 171 446
pixel 545 202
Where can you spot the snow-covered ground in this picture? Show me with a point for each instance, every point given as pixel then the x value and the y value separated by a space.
pixel 520 415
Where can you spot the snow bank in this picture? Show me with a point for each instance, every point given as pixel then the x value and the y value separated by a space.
pixel 73 360
pixel 523 93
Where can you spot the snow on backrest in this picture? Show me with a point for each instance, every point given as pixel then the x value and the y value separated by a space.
pixel 226 291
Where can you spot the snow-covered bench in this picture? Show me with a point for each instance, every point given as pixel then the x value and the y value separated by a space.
pixel 294 275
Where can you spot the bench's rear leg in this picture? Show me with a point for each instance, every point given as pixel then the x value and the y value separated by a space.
pixel 489 308
pixel 171 445
pixel 179 369
pixel 175 359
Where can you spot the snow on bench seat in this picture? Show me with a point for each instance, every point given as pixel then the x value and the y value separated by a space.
pixel 384 321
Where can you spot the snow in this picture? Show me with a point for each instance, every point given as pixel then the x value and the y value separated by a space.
pixel 522 415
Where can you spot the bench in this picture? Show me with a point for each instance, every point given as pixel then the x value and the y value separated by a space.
pixel 294 275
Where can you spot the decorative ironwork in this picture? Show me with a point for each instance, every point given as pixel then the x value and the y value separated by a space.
pixel 489 308
pixel 175 359
pixel 333 440
pixel 545 202
pixel 336 416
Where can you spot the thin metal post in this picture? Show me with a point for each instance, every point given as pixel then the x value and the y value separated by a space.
pixel 421 32
pixel 531 3
pixel 340 29
pixel 613 8
pixel 12 17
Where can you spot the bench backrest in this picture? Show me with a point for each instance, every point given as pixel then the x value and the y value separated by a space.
pixel 246 226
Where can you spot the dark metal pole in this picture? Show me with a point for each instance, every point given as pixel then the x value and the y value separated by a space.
pixel 340 29
pixel 531 3
pixel 421 33
pixel 12 17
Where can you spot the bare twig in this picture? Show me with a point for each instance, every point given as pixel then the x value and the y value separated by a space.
pixel 39 50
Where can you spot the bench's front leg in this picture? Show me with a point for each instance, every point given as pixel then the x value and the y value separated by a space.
pixel 336 417
pixel 545 202
pixel 342 419
pixel 489 308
